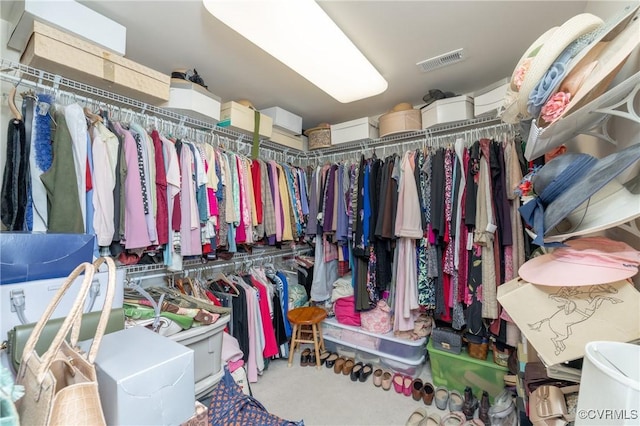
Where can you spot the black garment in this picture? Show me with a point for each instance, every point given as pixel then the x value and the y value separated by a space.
pixel 437 194
pixel 499 185
pixel 278 321
pixel 16 175
pixel 384 181
pixel 418 175
pixel 358 245
pixel 375 185
pixel 241 322
pixel 472 186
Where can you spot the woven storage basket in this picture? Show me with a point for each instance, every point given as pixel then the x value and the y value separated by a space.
pixel 319 137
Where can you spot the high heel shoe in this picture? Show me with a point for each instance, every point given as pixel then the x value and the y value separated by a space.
pixel 366 371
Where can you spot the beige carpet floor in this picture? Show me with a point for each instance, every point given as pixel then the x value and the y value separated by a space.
pixel 321 397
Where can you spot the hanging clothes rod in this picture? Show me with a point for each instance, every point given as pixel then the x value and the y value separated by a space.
pixel 195 266
pixel 33 78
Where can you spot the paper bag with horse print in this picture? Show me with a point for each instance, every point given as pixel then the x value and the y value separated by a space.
pixel 560 321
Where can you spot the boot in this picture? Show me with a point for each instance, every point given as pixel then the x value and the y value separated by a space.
pixel 483 411
pixel 470 403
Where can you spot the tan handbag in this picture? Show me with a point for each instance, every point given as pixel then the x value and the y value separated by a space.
pixel 548 406
pixel 61 385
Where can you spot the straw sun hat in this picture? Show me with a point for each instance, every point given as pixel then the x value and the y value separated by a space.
pixel 537 60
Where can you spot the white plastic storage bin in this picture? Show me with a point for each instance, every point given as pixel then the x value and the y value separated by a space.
pixel 206 342
pixel 409 366
pixel 447 110
pixel 354 130
pixel 489 101
pixel 284 119
pixel 284 138
pixel 384 343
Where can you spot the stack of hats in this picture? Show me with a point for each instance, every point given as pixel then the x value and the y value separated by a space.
pixel 577 194
pixel 573 295
pixel 566 68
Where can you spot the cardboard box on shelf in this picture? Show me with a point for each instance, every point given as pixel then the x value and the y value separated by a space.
pixel 242 119
pixel 58 52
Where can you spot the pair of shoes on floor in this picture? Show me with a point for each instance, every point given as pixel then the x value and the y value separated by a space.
pixel 420 417
pixel 343 365
pixel 422 391
pixel 330 359
pixel 307 358
pixel 382 378
pixel 402 384
pixel 361 372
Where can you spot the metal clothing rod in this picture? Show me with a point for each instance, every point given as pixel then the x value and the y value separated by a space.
pixel 195 266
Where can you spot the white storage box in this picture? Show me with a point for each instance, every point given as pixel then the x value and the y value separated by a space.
pixel 383 343
pixel 447 110
pixel 206 342
pixel 242 119
pixel 490 100
pixel 284 119
pixel 407 366
pixel 282 137
pixel 71 16
pixel 38 294
pixel 354 130
pixel 193 100
pixel 144 378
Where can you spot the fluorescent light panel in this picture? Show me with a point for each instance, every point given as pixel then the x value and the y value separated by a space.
pixel 302 36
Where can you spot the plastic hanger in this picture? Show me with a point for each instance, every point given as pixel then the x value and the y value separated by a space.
pixel 221 277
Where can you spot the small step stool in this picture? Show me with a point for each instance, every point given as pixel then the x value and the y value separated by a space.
pixel 307 328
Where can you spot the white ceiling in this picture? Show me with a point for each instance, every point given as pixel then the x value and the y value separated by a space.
pixel 394 35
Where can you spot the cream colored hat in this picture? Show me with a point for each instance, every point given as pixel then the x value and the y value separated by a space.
pixel 537 60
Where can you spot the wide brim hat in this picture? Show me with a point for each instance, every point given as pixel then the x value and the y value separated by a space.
pixel 583 261
pixel 612 206
pixel 595 71
pixel 544 52
pixel 572 184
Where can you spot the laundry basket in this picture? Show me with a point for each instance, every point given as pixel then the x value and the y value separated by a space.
pixel 610 385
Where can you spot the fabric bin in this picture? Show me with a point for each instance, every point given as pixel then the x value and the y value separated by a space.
pixel 385 343
pixel 457 371
pixel 354 130
pixel 206 342
pixel 193 100
pixel 64 54
pixel 242 119
pixel 489 101
pixel 400 122
pixel 449 110
pixel 319 137
pixel 284 120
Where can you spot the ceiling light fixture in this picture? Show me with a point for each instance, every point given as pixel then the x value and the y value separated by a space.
pixel 302 36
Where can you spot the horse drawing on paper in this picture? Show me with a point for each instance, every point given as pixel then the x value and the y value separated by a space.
pixel 577 304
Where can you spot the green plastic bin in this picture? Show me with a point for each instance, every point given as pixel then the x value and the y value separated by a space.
pixel 455 372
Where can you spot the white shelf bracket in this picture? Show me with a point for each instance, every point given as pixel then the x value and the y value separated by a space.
pixel 601 131
pixel 630 113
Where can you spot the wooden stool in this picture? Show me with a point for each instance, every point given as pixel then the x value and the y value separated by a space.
pixel 307 328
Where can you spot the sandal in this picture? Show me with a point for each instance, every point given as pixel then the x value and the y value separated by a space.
pixel 356 371
pixel 348 366
pixel 454 418
pixel 324 356
pixel 338 365
pixel 331 359
pixel 366 371
pixel 417 417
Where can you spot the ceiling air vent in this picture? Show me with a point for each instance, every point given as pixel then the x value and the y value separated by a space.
pixel 441 61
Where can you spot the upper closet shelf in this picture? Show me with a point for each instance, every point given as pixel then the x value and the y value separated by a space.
pixel 591 119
